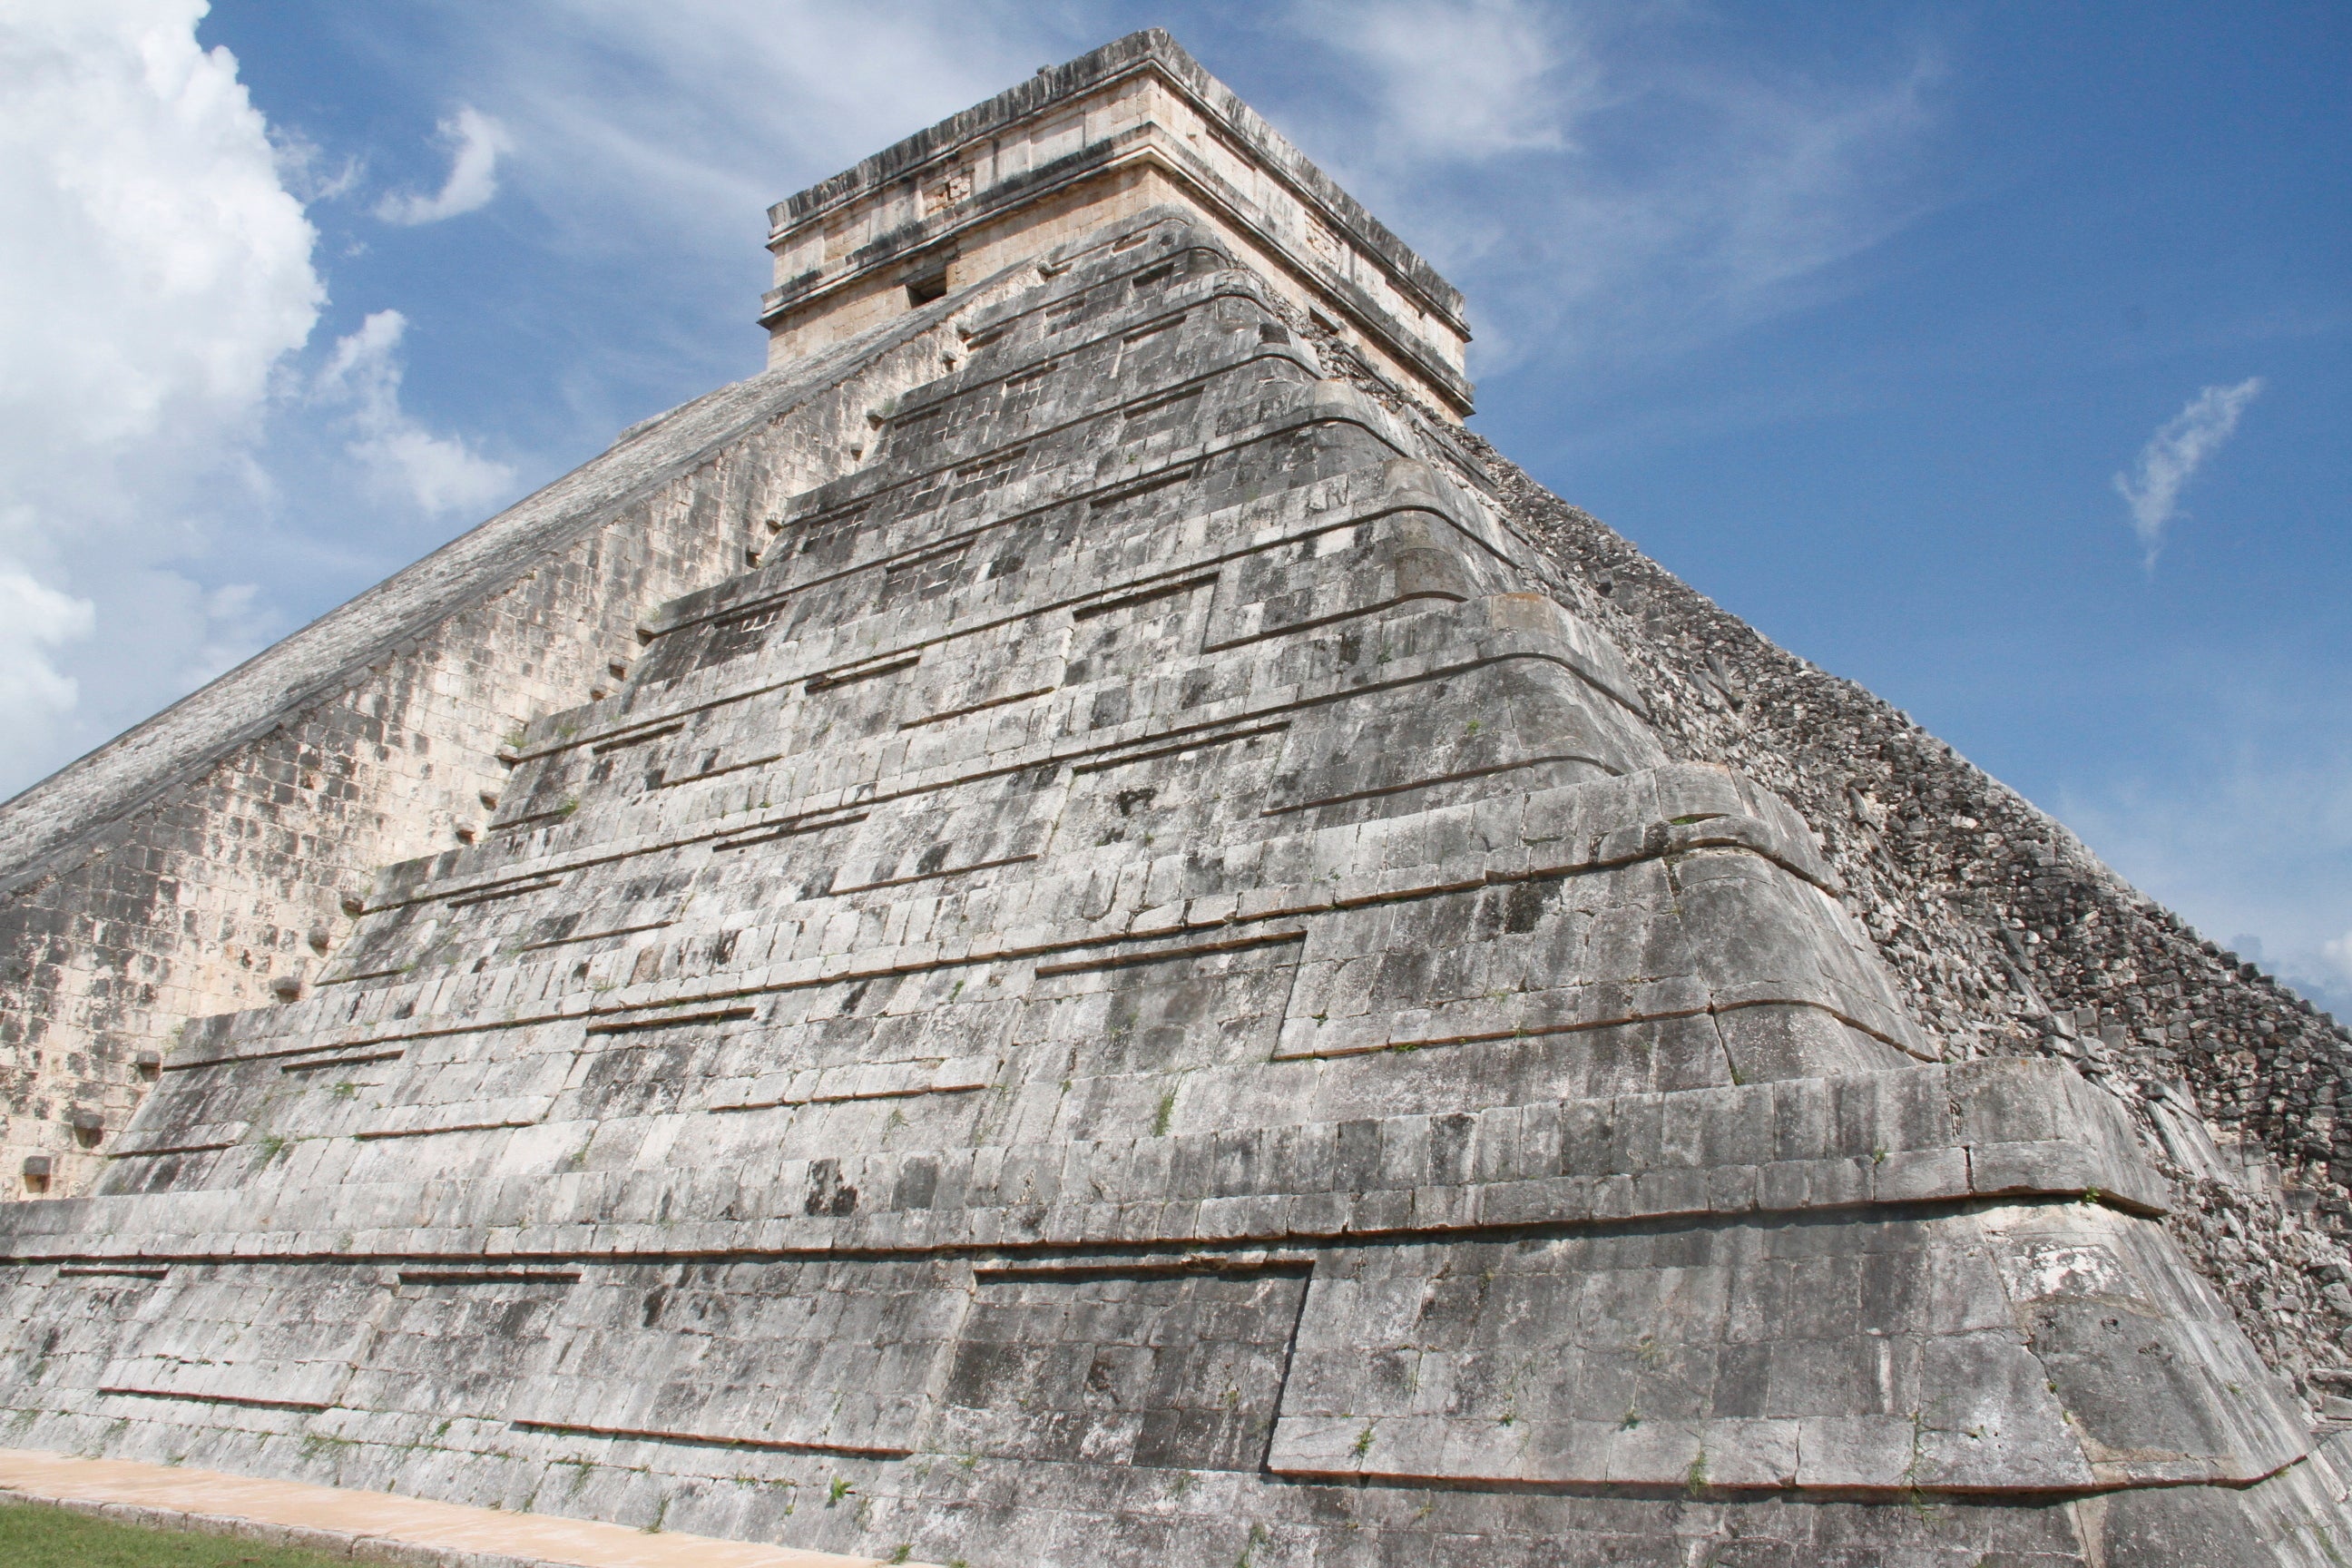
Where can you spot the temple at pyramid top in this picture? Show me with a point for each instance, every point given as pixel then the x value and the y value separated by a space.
pixel 1135 124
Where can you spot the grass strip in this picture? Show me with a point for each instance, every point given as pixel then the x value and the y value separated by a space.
pixel 36 1535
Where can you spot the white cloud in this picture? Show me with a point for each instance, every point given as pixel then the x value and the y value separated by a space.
pixel 438 473
pixel 153 271
pixel 154 264
pixel 477 141
pixel 2175 453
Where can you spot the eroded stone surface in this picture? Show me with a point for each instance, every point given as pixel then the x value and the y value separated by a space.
pixel 1143 986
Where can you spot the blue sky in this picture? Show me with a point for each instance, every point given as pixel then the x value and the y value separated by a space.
pixel 1998 356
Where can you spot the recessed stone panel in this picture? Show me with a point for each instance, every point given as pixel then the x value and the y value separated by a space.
pixel 1881 1355
pixel 830 1357
pixel 1147 1367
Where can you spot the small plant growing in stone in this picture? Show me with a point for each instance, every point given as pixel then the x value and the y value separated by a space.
pixel 1364 1440
pixel 839 1490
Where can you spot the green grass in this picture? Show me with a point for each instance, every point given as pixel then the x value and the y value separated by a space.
pixel 33 1535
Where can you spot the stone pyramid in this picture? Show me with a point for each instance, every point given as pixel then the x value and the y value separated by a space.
pixel 1136 985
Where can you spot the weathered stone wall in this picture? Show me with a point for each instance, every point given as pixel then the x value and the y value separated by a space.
pixel 208 860
pixel 1148 988
pixel 1155 959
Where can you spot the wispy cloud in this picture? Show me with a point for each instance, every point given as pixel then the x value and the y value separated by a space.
pixel 2174 454
pixel 303 167
pixel 689 117
pixel 1470 80
pixel 2246 827
pixel 437 473
pixel 477 142
pixel 2338 954
pixel 1606 182
pixel 34 620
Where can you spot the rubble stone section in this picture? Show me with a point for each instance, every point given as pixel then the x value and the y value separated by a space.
pixel 1146 988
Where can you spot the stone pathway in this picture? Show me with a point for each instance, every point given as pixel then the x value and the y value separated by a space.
pixel 369 1527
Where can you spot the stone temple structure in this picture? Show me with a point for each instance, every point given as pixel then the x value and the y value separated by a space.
pixel 1072 928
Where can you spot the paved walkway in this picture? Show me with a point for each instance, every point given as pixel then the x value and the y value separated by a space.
pixel 368 1526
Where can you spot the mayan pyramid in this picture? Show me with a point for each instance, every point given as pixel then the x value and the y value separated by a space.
pixel 1071 929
